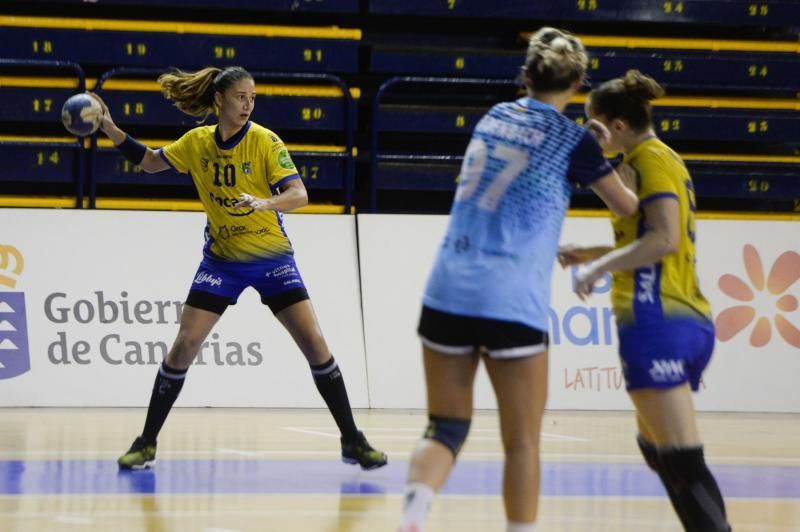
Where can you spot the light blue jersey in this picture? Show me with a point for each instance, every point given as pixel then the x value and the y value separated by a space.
pixel 516 181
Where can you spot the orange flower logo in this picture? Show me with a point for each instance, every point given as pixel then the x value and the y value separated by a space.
pixel 783 274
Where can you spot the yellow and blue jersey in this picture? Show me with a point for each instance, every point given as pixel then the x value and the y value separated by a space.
pixel 668 289
pixel 254 161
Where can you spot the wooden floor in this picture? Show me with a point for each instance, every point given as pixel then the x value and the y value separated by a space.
pixel 226 470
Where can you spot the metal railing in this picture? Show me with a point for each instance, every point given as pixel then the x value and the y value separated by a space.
pixel 376 157
pixel 48 66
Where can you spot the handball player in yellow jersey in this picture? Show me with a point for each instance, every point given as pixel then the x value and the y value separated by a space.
pixel 245 178
pixel 665 328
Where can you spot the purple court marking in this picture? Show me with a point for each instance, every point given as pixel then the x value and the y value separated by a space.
pixel 73 477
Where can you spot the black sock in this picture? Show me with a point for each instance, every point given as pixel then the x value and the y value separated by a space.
pixel 330 384
pixel 651 457
pixel 168 385
pixel 694 491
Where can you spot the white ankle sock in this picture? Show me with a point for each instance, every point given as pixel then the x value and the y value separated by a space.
pixel 520 527
pixel 417 499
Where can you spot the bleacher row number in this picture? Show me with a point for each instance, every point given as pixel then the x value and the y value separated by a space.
pixel 757 71
pixel 451 4
pixel 758 10
pixel 673 65
pixel 42 47
pixel 130 168
pixel 670 125
pixel 311 55
pixel 224 52
pixel 461 121
pixel 757 185
pixel 673 7
pixel 460 63
pixel 312 113
pixel 587 5
pixel 757 126
pixel 43 105
pixel 43 158
pixel 133 108
pixel 309 172
pixel 136 48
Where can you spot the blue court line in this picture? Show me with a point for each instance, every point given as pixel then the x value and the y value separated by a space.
pixel 76 477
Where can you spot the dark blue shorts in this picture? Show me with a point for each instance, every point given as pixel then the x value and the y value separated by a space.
pixel 218 283
pixel 665 354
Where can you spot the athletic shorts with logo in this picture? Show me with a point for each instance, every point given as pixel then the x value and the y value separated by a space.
pixel 665 354
pixel 219 283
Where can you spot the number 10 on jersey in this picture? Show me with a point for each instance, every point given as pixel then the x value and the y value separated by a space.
pixel 226 175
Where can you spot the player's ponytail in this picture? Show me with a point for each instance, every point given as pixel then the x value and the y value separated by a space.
pixel 638 85
pixel 627 98
pixel 193 92
pixel 555 61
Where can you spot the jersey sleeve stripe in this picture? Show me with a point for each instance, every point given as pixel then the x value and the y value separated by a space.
pixel 648 199
pixel 285 180
pixel 164 156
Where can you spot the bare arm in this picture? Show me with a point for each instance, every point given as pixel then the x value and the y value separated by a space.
pixel 621 200
pixel 612 188
pixel 570 254
pixel 293 196
pixel 661 239
pixel 150 163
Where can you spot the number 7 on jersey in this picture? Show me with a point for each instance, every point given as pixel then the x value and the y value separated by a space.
pixel 474 166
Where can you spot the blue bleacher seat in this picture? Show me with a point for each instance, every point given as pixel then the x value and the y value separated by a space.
pixel 780 13
pixel 277 107
pixel 321 167
pixel 714 176
pixel 39 159
pixel 692 121
pixel 287 6
pixel 189 45
pixel 676 63
pixel 738 122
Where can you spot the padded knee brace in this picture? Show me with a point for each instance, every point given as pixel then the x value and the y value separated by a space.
pixel 649 452
pixel 696 495
pixel 448 431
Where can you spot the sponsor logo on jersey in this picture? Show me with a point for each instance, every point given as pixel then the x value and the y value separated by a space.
pixel 229 204
pixel 284 160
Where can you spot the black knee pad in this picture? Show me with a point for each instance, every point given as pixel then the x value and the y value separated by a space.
pixel 681 467
pixel 448 431
pixel 686 475
pixel 649 452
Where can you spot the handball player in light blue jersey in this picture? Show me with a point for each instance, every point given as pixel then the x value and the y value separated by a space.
pixel 489 290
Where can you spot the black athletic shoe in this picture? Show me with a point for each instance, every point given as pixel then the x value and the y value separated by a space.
pixel 361 452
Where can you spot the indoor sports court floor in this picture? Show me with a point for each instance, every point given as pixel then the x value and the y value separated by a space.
pixel 228 470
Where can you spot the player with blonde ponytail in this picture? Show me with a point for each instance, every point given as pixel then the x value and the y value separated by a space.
pixel 488 294
pixel 245 178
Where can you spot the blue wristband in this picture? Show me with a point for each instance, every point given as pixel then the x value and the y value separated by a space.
pixel 132 149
